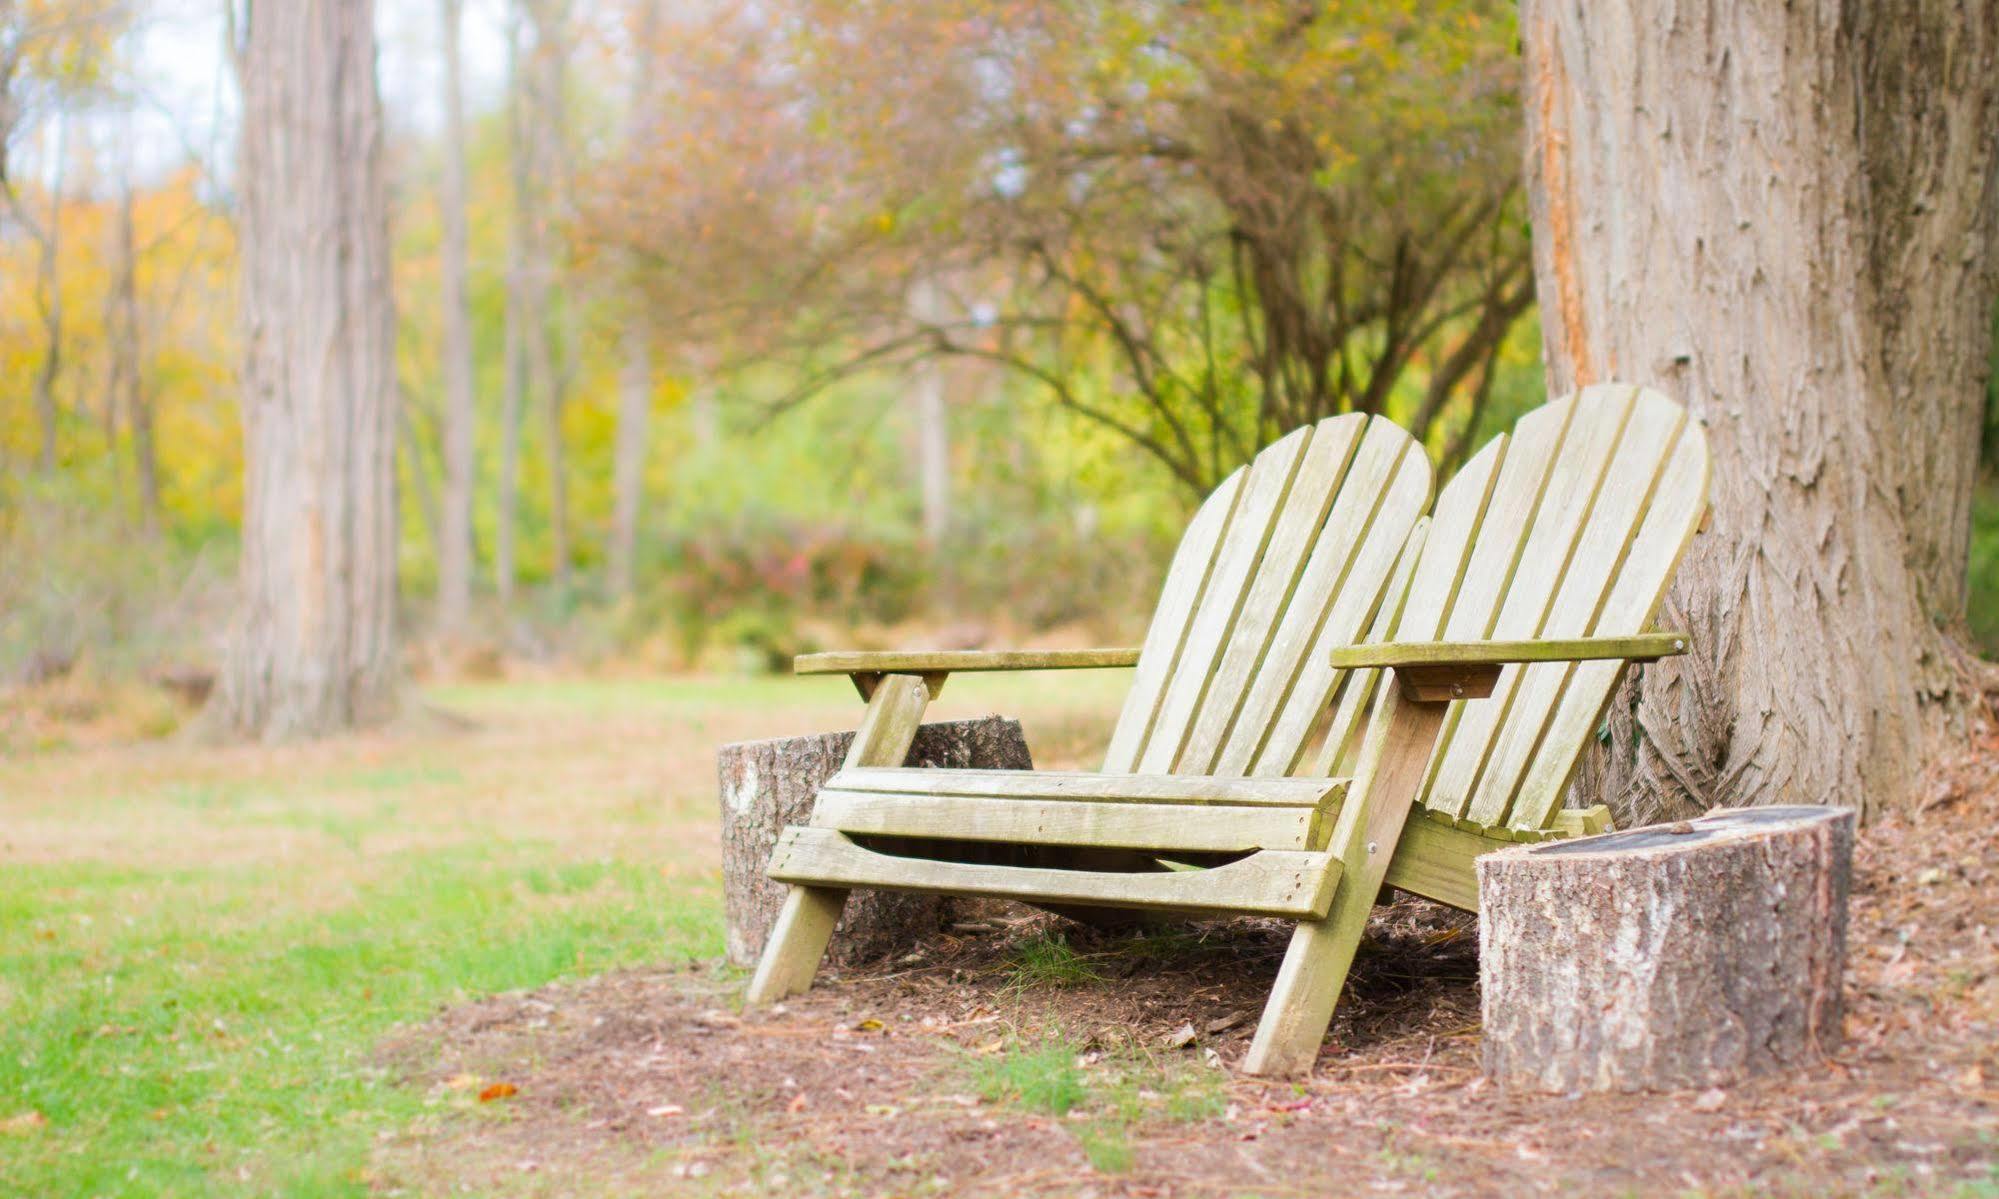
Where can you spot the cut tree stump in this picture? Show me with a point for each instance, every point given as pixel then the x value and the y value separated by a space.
pixel 1681 955
pixel 766 785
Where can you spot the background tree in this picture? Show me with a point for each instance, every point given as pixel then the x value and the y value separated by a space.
pixel 454 546
pixel 1785 216
pixel 1197 226
pixel 635 378
pixel 313 643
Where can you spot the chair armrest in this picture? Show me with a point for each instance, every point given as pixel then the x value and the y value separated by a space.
pixel 952 661
pixel 1645 647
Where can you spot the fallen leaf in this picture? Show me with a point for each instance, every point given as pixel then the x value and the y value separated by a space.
pixel 1179 1038
pixel 24 1123
pixel 869 1025
pixel 499 1090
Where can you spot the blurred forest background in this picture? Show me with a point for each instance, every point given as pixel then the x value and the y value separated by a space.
pixel 725 332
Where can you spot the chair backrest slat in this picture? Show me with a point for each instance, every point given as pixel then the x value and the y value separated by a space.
pixel 1351 570
pixel 1186 580
pixel 1262 621
pixel 1595 497
pixel 1296 546
pixel 1236 567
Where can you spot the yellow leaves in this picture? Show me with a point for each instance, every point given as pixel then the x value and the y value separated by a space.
pixel 498 1090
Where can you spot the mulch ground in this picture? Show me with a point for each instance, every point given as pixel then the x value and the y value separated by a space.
pixel 870 1085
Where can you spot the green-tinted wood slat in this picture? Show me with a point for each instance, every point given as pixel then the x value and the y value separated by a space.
pixel 1263 492
pixel 1650 433
pixel 1272 882
pixel 1108 786
pixel 1673 517
pixel 1574 479
pixel 1371 524
pixel 1272 588
pixel 1088 822
pixel 1179 597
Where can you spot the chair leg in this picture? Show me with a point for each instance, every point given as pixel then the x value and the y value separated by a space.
pixel 805 923
pixel 1308 986
pixel 797 943
pixel 1363 839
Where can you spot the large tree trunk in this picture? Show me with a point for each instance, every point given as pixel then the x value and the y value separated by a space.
pixel 454 550
pixel 313 647
pixel 1785 216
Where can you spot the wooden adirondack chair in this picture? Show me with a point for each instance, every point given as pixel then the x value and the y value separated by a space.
pixel 1301 581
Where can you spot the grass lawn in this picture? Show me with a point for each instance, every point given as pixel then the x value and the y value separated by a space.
pixel 201 949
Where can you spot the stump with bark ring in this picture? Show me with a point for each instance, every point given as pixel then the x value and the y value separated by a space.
pixel 766 785
pixel 1682 955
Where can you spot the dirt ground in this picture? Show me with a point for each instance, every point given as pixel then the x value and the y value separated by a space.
pixel 907 1078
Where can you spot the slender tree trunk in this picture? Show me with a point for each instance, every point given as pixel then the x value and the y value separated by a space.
pixel 313 647
pixel 454 551
pixel 933 450
pixel 635 382
pixel 48 298
pixel 1784 215
pixel 539 165
pixel 427 507
pixel 122 393
pixel 933 431
pixel 629 460
pixel 514 381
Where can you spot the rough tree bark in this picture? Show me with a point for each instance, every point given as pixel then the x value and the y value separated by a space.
pixel 1784 215
pixel 454 547
pixel 1682 955
pixel 766 785
pixel 313 645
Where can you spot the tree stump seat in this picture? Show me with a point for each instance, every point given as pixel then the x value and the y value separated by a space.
pixel 767 785
pixel 1681 955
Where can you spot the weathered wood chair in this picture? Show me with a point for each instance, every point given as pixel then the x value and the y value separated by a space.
pixel 1303 579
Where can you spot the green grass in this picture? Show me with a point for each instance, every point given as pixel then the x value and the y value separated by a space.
pixel 1039 1078
pixel 1115 1096
pixel 202 951
pixel 180 1033
pixel 1048 962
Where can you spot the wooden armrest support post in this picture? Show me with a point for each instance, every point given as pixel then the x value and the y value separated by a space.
pixel 867 668
pixel 1440 671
